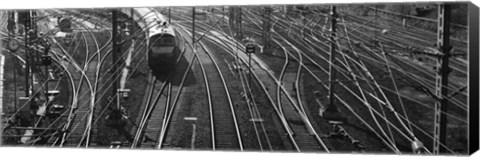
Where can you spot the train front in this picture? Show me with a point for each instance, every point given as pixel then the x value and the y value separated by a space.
pixel 163 50
pixel 65 24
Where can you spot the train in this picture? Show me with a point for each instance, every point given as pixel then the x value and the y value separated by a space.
pixel 64 23
pixel 162 41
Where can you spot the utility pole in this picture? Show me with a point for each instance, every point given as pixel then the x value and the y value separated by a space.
pixel 376 24
pixel 26 22
pixel 266 27
pixel 15 62
pixel 115 117
pixel 169 15
pixel 232 21
pixel 115 52
pixel 131 20
pixel 236 21
pixel 35 33
pixel 132 24
pixel 239 23
pixel 332 71
pixel 33 43
pixel 331 112
pixel 231 16
pixel 193 25
pixel 11 22
pixel 46 61
pixel 11 28
pixel 223 14
pixel 443 43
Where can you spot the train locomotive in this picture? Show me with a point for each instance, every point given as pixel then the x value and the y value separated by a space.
pixel 64 23
pixel 162 42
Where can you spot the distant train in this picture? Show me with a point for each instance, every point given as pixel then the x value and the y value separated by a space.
pixel 64 23
pixel 162 42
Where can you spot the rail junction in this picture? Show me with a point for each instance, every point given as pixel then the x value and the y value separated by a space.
pixel 314 78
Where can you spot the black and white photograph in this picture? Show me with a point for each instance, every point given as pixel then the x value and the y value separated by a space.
pixel 391 78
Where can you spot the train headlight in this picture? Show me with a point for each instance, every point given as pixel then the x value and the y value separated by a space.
pixel 385 31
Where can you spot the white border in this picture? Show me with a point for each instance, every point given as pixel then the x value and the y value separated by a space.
pixel 42 4
pixel 65 152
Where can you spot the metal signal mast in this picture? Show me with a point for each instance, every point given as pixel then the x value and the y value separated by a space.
pixel 443 43
pixel 331 112
pixel 115 47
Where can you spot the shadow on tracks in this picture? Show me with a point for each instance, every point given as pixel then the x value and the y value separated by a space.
pixel 177 71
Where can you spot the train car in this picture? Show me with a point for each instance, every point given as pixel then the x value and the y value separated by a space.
pixel 162 42
pixel 163 50
pixel 65 23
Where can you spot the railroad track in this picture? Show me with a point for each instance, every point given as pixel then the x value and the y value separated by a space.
pixel 384 88
pixel 402 38
pixel 290 135
pixel 93 65
pixel 378 57
pixel 82 128
pixel 311 140
pixel 353 77
pixel 85 92
pixel 227 47
pixel 300 142
pixel 312 61
pixel 158 108
pixel 54 71
pixel 305 54
pixel 152 117
pixel 393 37
pixel 425 76
pixel 219 132
pixel 258 138
pixel 223 120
